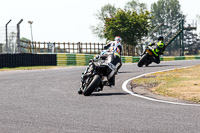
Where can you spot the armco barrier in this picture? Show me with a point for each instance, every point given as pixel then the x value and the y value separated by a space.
pixel 21 60
pixel 83 59
pixel 17 60
pixel 74 59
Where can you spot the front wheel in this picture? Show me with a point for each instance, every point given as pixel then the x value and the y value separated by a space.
pixel 142 60
pixel 92 86
pixel 80 91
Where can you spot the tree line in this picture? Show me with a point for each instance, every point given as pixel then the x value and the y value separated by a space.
pixel 134 22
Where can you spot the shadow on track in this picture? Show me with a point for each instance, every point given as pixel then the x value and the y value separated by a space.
pixel 109 94
pixel 159 66
pixel 126 72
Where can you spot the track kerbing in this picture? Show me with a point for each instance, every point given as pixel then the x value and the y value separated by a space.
pixel 152 99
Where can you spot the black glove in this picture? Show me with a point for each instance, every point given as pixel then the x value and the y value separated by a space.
pixel 105 47
pixel 151 44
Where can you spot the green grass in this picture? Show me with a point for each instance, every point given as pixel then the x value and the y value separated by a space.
pixel 179 83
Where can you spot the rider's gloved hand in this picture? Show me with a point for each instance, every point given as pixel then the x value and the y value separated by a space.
pixel 105 47
pixel 151 44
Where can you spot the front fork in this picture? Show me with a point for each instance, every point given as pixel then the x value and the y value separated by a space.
pixel 89 71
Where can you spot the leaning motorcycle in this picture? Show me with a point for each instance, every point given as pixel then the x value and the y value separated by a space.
pixel 98 73
pixel 146 57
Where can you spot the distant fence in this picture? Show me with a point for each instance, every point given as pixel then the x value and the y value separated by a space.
pixel 83 48
pixel 21 60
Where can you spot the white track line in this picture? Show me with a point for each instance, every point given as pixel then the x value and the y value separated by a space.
pixel 152 99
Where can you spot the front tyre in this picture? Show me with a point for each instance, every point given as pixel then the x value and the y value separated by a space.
pixel 142 60
pixel 92 86
pixel 80 91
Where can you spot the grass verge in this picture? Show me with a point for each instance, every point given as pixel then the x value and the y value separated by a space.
pixel 183 83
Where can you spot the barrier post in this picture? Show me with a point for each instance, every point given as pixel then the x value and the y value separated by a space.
pixel 7 36
pixel 90 47
pixel 35 47
pixel 86 47
pixel 39 48
pixel 44 47
pixel 68 47
pixel 64 48
pixel 54 44
pixel 18 36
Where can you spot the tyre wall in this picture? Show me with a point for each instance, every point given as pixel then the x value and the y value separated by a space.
pixel 24 60
pixel 83 59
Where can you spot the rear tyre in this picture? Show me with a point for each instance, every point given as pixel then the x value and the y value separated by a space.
pixel 147 63
pixel 92 86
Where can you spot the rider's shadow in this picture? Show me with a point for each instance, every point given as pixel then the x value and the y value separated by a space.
pixel 125 72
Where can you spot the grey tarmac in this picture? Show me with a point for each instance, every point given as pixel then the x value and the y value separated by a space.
pixel 46 101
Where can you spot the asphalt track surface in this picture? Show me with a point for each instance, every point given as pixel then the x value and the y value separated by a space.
pixel 46 101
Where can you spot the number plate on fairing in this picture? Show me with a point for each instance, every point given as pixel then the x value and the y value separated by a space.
pixel 111 66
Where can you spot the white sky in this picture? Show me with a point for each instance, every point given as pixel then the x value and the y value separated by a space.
pixel 66 20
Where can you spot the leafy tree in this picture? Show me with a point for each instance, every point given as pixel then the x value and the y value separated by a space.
pixel 12 37
pixel 24 39
pixel 109 11
pixel 130 25
pixel 24 44
pixel 192 43
pixel 198 21
pixel 169 13
pixel 106 11
pixel 135 5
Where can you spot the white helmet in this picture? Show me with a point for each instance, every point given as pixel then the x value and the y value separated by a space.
pixel 118 38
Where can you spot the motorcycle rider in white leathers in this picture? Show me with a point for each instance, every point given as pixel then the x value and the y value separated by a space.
pixel 114 46
pixel 117 47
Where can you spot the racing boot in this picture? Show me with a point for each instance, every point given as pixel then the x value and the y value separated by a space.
pixel 112 81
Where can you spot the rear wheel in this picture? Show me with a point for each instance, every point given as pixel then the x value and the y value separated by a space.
pixel 92 85
pixel 147 63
